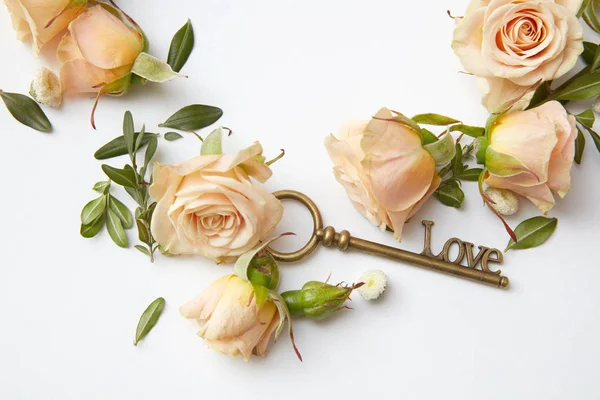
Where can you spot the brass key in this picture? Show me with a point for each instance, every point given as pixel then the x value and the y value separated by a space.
pixel 329 237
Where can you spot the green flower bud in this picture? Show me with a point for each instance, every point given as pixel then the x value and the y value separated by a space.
pixel 318 300
pixel 263 270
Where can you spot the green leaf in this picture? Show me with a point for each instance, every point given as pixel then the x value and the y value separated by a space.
pixel 471 174
pixel 595 138
pixel 181 46
pixel 153 69
pixel 117 146
pixel 586 118
pixel 589 51
pixel 92 229
pixel 450 193
pixel 193 117
pixel 532 233
pixel 443 150
pixel 25 110
pixel 579 146
pixel 143 249
pixel 129 132
pixel 584 87
pixel 434 119
pixel 595 61
pixel 102 187
pixel 457 161
pixel 115 229
pixel 148 319
pixel 136 195
pixel 482 145
pixel 121 211
pixel 150 151
pixel 428 136
pixel 473 131
pixel 93 210
pixel 213 144
pixel 240 268
pixel 124 177
pixel 590 17
pixel 139 139
pixel 172 136
pixel 584 5
pixel 143 233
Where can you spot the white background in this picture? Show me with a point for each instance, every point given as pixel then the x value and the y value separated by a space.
pixel 287 74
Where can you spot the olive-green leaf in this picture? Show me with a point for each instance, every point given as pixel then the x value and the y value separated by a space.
pixel 181 46
pixel 124 177
pixel 139 139
pixel 584 87
pixel 121 211
pixel 148 319
pixel 153 69
pixel 434 119
pixel 128 132
pixel 473 131
pixel 428 136
pixel 471 174
pixel 142 227
pixel 150 151
pixel 450 194
pixel 93 210
pixel 589 51
pixel 193 117
pixel 586 118
pixel 579 146
pixel 590 17
pixel 172 136
pixel 102 187
pixel 584 5
pixel 457 161
pixel 117 146
pixel 595 137
pixel 142 249
pixel 115 229
pixel 532 233
pixel 91 230
pixel 25 110
pixel 213 144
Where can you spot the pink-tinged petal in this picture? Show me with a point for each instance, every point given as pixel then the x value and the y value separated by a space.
pixel 571 5
pixel 257 169
pixel 79 76
pixel 561 161
pixel 163 230
pixel 263 344
pixel 203 305
pixel 467 42
pixel 104 40
pixel 18 20
pixel 540 195
pixel 435 183
pixel 67 49
pixel 229 161
pixel 164 178
pixel 528 136
pixel 39 12
pixel 498 91
pixel 397 167
pixel 476 4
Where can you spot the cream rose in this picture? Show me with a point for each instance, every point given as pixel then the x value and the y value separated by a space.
pixel 30 18
pixel 511 45
pixel 98 49
pixel 531 153
pixel 209 206
pixel 229 319
pixel 386 172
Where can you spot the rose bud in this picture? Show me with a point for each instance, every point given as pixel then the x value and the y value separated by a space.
pixel 513 45
pixel 230 320
pixel 98 52
pixel 42 20
pixel 318 300
pixel 531 153
pixel 45 88
pixel 384 168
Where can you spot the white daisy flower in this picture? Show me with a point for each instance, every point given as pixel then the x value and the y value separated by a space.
pixel 374 284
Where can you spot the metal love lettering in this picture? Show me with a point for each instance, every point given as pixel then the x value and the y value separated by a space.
pixel 484 256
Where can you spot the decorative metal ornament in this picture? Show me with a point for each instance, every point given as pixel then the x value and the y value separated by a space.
pixel 441 262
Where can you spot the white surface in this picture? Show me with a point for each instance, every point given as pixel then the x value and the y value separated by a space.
pixel 287 74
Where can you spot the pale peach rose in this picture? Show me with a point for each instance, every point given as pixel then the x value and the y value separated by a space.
pixel 30 18
pixel 511 45
pixel 98 49
pixel 229 319
pixel 531 153
pixel 209 206
pixel 386 172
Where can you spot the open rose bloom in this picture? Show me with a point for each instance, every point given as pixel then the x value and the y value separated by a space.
pixel 30 19
pixel 209 206
pixel 230 321
pixel 99 49
pixel 531 153
pixel 386 172
pixel 512 45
